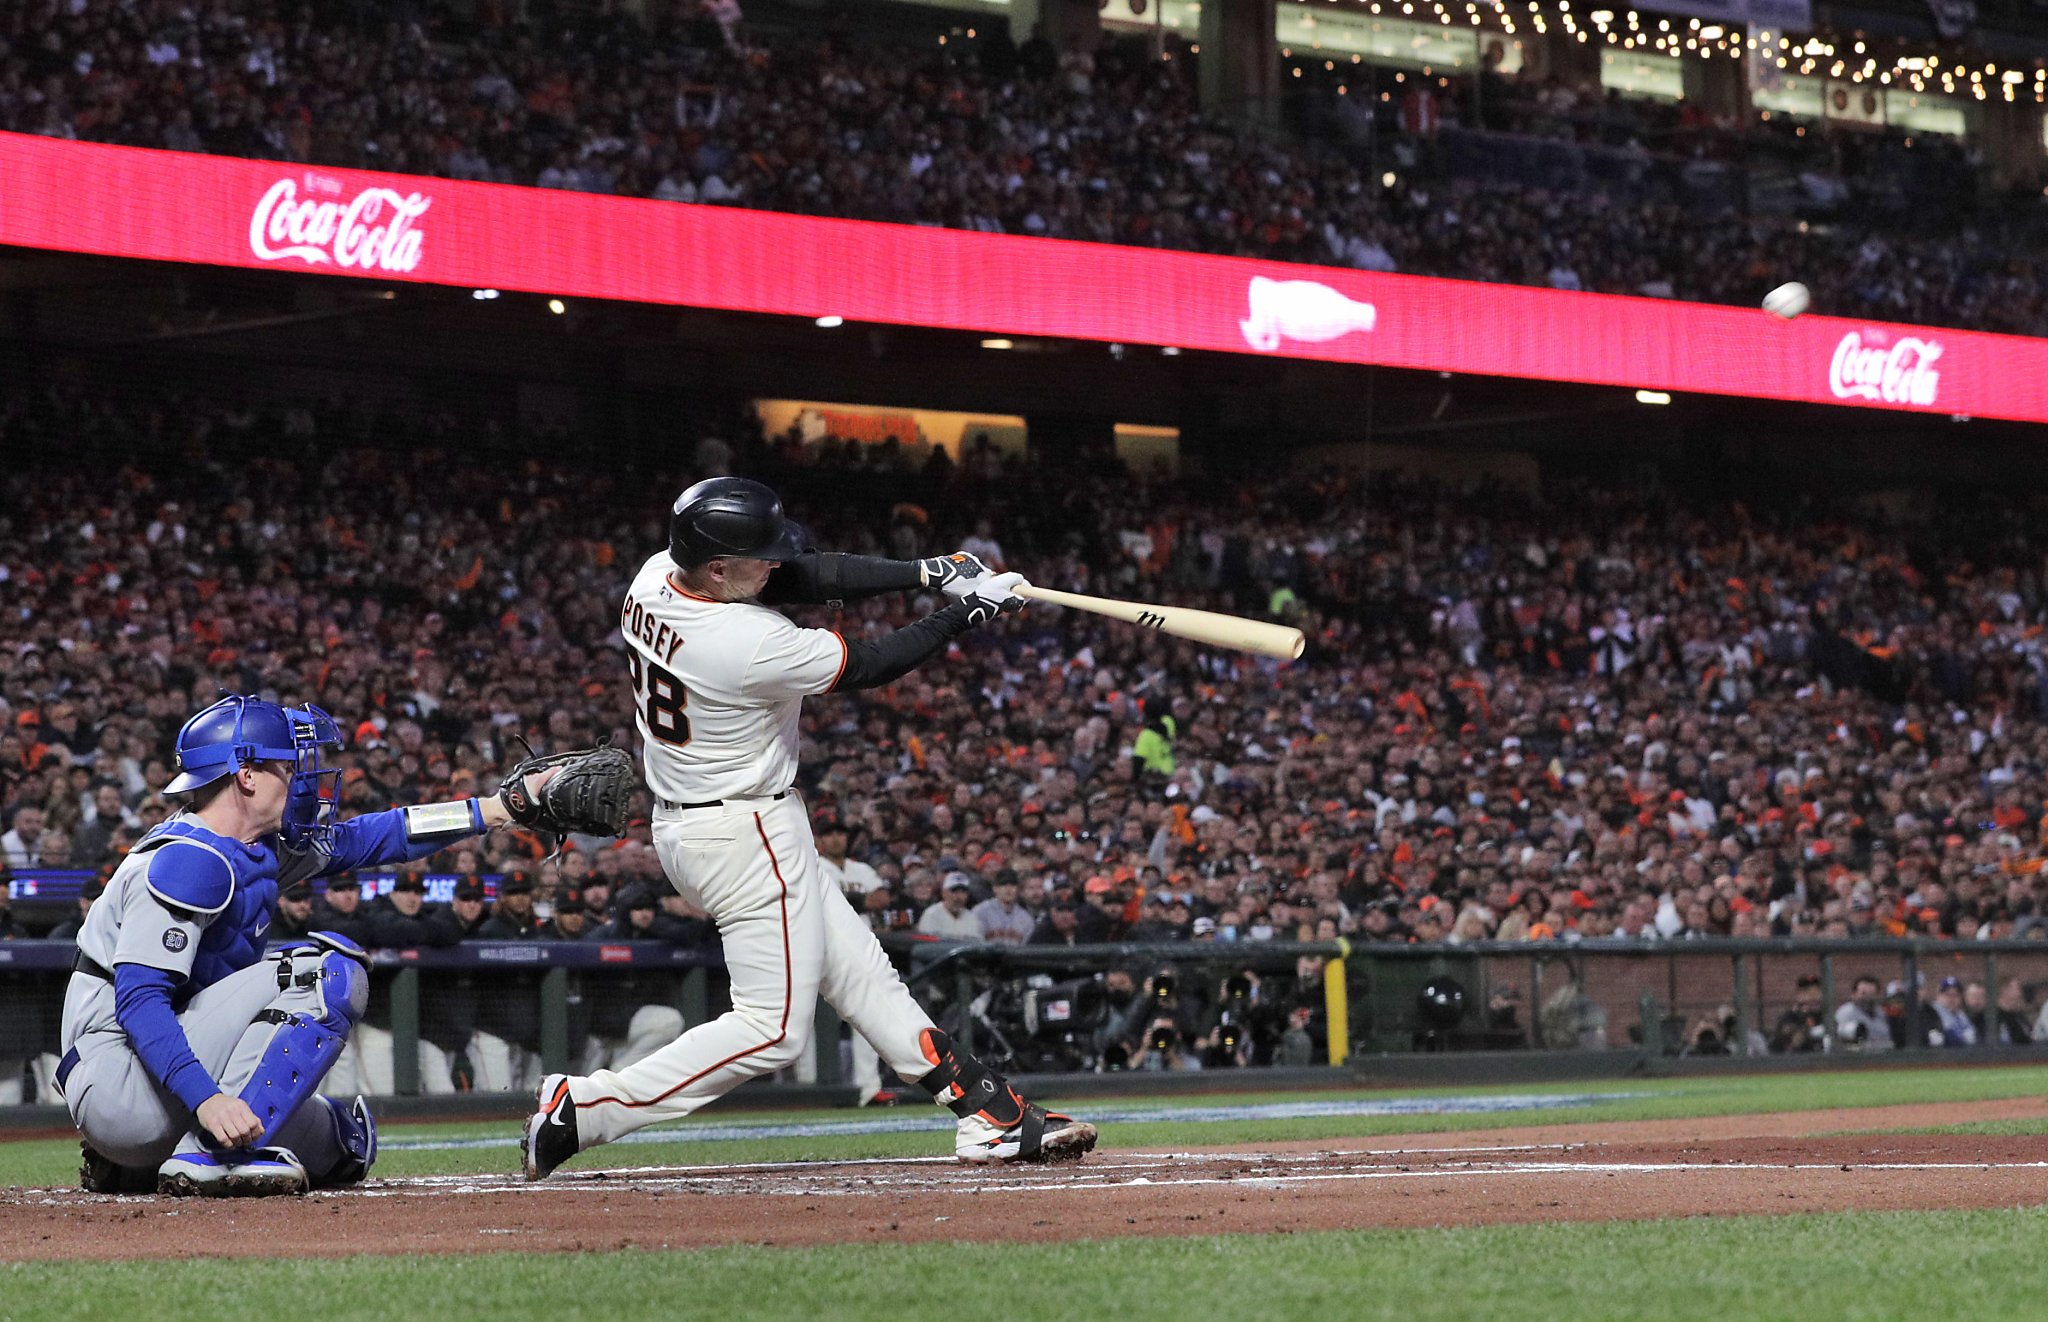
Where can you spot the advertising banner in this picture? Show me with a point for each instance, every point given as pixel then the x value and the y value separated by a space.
pixel 171 206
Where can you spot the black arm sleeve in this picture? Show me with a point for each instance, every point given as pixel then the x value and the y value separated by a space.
pixel 819 578
pixel 871 665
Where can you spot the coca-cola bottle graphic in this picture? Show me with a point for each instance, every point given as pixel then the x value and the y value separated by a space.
pixel 1301 310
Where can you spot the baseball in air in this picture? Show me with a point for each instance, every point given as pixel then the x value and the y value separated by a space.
pixel 1788 300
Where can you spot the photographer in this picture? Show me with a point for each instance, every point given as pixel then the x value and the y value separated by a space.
pixel 1134 1017
pixel 1860 1021
pixel 1308 1013
pixel 1722 1034
pixel 1503 1018
pixel 1803 1028
pixel 1118 1040
pixel 1243 1030
pixel 1163 1047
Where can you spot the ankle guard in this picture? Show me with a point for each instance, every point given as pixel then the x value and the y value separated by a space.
pixel 965 1086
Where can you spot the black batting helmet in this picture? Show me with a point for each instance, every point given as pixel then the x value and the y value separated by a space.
pixel 731 516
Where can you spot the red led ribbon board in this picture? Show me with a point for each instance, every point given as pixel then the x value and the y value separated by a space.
pixel 173 206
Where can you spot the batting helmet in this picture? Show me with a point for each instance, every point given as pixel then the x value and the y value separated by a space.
pixel 731 516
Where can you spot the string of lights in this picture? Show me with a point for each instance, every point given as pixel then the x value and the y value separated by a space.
pixel 1855 58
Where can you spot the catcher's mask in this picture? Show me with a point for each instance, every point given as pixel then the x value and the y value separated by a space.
pixel 309 805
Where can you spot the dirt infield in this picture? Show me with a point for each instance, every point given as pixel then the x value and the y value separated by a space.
pixel 1723 1166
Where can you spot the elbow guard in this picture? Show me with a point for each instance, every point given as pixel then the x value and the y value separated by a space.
pixel 833 578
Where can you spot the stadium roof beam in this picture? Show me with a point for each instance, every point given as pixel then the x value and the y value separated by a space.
pixel 1240 68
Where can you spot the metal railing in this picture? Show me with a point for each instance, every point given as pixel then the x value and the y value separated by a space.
pixel 1624 995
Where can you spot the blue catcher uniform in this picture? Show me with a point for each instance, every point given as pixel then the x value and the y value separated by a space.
pixel 172 999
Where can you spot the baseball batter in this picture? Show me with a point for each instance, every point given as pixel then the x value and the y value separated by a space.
pixel 192 1058
pixel 719 681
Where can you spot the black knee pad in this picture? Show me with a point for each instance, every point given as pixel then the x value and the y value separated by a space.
pixel 964 1085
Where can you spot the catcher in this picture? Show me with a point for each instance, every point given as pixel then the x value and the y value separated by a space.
pixel 192 1059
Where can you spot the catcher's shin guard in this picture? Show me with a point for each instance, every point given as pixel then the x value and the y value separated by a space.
pixel 996 1125
pixel 299 1036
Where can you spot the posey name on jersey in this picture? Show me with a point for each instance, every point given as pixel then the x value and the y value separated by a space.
pixel 638 622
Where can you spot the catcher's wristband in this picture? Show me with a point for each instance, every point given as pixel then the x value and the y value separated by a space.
pixel 425 821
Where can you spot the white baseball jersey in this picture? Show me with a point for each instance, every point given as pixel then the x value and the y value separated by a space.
pixel 853 876
pixel 721 686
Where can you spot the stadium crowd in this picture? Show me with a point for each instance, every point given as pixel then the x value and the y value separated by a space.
pixel 986 135
pixel 1651 722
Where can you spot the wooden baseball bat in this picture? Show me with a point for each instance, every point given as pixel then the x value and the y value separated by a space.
pixel 1182 622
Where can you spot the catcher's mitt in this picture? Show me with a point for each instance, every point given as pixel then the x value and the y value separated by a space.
pixel 588 796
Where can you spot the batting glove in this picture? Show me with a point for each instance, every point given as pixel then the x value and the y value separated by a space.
pixel 952 574
pixel 993 596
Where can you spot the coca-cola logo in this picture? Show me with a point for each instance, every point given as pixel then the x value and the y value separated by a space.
pixel 1899 373
pixel 373 231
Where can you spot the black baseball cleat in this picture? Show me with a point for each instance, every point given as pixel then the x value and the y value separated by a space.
pixel 1040 1137
pixel 99 1174
pixel 550 1137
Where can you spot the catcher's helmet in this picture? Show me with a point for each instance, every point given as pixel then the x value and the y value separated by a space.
pixel 731 516
pixel 240 729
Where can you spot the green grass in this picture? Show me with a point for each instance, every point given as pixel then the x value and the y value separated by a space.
pixel 1994 1128
pixel 45 1163
pixel 1925 1266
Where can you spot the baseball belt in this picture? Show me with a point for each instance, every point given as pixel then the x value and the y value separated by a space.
pixel 673 806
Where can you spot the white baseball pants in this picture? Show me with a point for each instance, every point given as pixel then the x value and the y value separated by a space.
pixel 790 936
